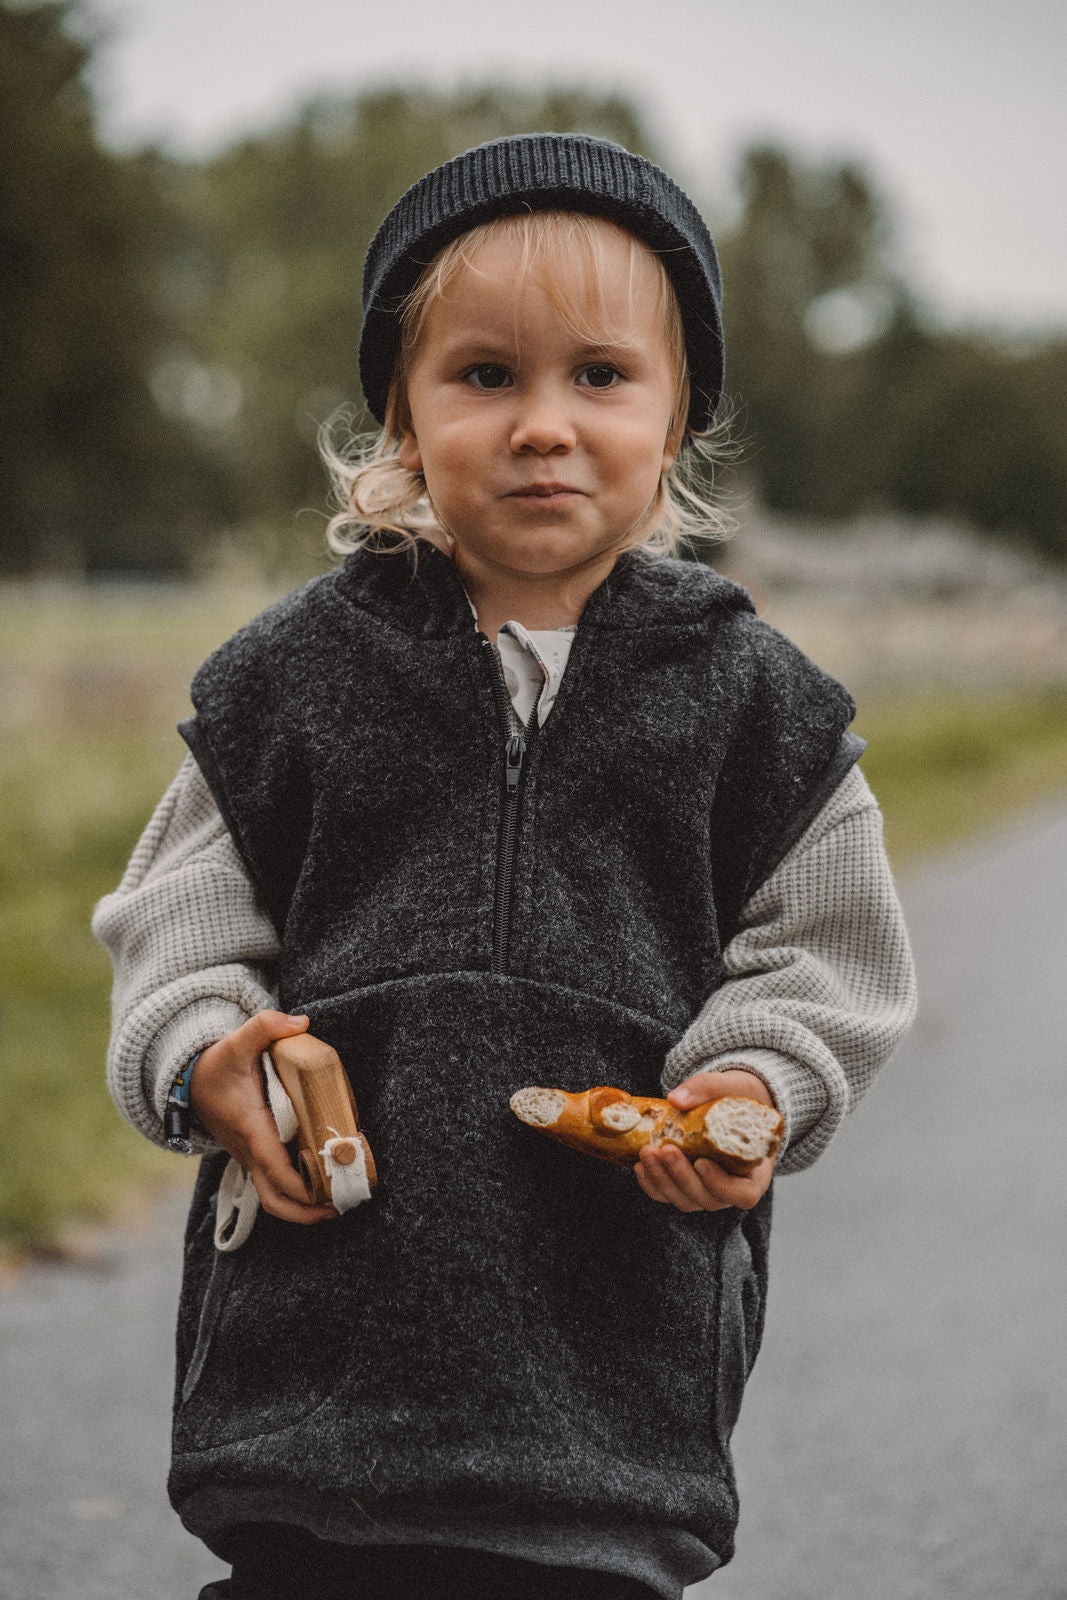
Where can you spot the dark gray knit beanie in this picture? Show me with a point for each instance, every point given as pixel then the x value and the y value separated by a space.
pixel 544 172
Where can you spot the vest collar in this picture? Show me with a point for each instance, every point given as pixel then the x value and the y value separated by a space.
pixel 424 597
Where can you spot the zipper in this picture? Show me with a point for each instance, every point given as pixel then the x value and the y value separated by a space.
pixel 516 741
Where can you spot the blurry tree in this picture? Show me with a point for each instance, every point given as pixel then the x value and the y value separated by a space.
pixel 961 424
pixel 90 474
pixel 174 332
pixel 848 399
pixel 807 283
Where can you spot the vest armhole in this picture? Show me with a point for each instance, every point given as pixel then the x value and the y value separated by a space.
pixel 192 731
pixel 848 752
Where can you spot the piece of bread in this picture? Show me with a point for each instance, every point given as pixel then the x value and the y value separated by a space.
pixel 735 1132
pixel 334 1158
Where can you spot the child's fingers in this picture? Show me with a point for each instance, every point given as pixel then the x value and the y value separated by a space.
pixel 280 1201
pixel 263 1153
pixel 279 1185
pixel 228 1098
pixel 667 1176
pixel 741 1192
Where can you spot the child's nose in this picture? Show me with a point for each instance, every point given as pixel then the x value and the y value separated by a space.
pixel 543 425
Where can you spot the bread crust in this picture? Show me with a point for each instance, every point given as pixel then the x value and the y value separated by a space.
pixel 735 1132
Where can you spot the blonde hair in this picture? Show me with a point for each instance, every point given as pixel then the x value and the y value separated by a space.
pixel 376 496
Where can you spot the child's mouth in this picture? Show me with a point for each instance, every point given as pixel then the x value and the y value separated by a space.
pixel 544 491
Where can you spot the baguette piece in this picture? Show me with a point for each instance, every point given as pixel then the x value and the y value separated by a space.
pixel 735 1132
pixel 334 1158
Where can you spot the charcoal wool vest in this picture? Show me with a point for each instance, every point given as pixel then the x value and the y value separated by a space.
pixel 509 1335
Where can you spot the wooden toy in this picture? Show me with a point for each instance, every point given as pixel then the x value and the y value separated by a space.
pixel 334 1157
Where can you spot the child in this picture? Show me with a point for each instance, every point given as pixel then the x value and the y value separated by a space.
pixel 509 798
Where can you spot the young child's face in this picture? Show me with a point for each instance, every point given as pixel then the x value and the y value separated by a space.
pixel 541 448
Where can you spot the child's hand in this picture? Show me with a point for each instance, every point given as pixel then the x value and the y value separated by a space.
pixel 227 1098
pixel 671 1178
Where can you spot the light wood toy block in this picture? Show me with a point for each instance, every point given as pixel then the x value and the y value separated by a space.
pixel 315 1081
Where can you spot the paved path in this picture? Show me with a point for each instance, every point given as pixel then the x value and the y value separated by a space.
pixel 85 1369
pixel 905 1433
pixel 904 1436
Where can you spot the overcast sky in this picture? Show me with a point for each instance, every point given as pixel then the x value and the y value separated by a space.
pixel 957 108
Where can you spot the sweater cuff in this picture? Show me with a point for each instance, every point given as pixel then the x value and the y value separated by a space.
pixel 201 1024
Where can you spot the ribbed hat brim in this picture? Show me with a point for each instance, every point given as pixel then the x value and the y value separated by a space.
pixel 545 172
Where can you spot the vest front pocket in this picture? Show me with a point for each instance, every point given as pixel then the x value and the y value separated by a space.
pixel 271 1332
pixel 525 1290
pixel 504 1314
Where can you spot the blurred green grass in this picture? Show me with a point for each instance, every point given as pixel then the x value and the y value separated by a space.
pixel 92 684
pixel 72 806
pixel 945 766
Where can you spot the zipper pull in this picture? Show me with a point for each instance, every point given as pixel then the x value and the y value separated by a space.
pixel 514 751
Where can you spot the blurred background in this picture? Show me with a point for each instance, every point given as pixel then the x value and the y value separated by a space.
pixel 187 188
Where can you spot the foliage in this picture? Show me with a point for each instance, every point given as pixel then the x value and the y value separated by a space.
pixel 806 254
pixel 174 332
pixel 849 400
pixel 71 808
pixel 89 470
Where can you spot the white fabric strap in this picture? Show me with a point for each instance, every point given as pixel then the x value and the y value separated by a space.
pixel 280 1104
pixel 236 1207
pixel 349 1184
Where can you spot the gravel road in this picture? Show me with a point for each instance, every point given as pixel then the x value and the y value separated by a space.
pixel 905 1433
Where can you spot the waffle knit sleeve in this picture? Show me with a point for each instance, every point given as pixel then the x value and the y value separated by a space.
pixel 192 950
pixel 819 983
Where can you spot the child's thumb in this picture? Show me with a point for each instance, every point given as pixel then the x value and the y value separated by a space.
pixel 266 1026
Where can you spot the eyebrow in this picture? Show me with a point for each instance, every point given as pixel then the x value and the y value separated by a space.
pixel 608 352
pixel 482 346
pixel 477 345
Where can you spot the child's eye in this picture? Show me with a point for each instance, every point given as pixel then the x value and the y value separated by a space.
pixel 488 376
pixel 600 376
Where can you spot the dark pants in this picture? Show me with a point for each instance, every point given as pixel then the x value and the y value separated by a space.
pixel 278 1563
